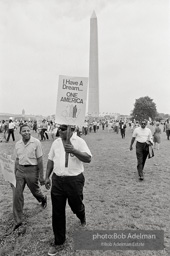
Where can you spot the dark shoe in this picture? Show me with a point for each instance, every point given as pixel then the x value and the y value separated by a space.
pixel 54 249
pixel 21 230
pixel 44 202
pixel 83 222
pixel 141 177
pixel 17 226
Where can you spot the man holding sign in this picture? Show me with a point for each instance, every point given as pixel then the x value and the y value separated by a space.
pixel 67 182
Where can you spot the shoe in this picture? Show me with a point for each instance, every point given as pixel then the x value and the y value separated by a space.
pixel 21 230
pixel 83 222
pixel 53 250
pixel 44 202
pixel 141 177
pixel 17 226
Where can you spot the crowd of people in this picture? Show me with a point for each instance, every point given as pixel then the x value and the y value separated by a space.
pixel 47 129
pixel 65 178
pixel 42 128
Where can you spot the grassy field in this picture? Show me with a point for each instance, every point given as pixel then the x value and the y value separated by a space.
pixel 114 198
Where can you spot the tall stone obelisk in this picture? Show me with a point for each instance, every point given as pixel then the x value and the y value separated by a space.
pixel 93 95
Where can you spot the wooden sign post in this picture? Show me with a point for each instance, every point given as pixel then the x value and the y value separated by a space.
pixel 67 141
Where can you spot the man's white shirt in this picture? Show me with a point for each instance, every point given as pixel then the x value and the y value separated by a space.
pixel 11 125
pixel 142 135
pixel 57 155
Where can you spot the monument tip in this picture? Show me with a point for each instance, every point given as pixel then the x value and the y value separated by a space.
pixel 93 15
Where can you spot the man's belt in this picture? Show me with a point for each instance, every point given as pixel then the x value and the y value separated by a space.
pixel 28 165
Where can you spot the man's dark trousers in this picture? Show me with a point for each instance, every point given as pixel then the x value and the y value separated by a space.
pixel 168 134
pixel 122 133
pixel 63 188
pixel 11 132
pixel 141 154
pixel 25 175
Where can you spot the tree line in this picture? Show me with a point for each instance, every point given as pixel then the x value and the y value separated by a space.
pixel 145 108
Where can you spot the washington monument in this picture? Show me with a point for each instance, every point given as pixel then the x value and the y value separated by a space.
pixel 93 97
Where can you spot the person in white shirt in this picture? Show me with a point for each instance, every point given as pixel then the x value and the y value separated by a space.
pixel 117 127
pixel 11 127
pixel 67 182
pixel 85 126
pixel 143 137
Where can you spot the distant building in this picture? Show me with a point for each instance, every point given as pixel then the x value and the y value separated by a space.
pixel 23 112
pixel 6 116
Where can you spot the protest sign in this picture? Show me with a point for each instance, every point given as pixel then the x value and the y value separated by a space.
pixel 71 100
pixel 7 168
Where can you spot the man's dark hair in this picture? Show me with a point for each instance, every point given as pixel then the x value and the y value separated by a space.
pixel 24 125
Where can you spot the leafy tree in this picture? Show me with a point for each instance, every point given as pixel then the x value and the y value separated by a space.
pixel 144 108
pixel 162 116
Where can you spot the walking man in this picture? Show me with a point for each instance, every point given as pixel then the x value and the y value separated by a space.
pixel 143 136
pixel 167 129
pixel 122 129
pixel 11 127
pixel 67 182
pixel 28 171
pixel 43 133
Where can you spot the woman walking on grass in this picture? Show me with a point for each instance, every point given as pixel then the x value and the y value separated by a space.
pixel 157 137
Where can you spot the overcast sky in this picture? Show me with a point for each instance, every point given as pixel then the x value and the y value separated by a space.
pixel 42 39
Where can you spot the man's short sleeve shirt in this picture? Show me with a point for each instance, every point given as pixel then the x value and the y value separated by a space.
pixel 142 135
pixel 28 154
pixel 57 155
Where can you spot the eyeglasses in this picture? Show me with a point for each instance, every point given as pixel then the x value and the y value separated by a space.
pixel 143 123
pixel 63 129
